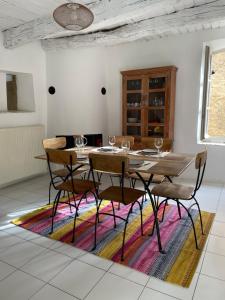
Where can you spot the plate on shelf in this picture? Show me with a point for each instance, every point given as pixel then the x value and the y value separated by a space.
pixel 132 120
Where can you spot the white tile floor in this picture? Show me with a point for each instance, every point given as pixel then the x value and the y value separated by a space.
pixel 34 267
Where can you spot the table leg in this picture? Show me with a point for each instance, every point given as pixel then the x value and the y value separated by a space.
pixel 156 222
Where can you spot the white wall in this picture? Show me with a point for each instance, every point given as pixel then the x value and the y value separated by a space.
pixel 77 107
pixel 78 75
pixel 185 52
pixel 27 59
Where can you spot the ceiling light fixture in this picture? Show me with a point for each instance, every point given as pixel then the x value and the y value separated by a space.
pixel 73 16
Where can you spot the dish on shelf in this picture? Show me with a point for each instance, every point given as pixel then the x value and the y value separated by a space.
pixel 132 120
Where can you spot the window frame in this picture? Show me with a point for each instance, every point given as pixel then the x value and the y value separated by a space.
pixel 209 49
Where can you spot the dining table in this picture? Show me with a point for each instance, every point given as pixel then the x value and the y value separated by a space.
pixel 168 164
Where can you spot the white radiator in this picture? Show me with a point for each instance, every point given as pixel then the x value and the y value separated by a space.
pixel 18 146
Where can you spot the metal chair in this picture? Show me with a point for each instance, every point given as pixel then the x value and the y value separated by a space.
pixel 68 183
pixel 177 192
pixel 60 143
pixel 148 142
pixel 115 194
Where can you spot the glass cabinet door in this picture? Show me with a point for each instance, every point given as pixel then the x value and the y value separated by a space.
pixel 156 105
pixel 133 115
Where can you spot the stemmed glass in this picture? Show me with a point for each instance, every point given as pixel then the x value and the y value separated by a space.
pixel 80 142
pixel 125 145
pixel 112 140
pixel 158 142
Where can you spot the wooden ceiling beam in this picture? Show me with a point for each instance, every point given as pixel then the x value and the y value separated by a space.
pixel 108 15
pixel 189 19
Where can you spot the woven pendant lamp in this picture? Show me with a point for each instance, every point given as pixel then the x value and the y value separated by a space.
pixel 73 16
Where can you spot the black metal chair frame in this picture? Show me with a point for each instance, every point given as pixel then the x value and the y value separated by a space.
pixel 200 175
pixel 57 197
pixel 60 178
pixel 126 220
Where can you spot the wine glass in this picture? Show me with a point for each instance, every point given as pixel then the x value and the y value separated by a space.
pixel 84 141
pixel 125 145
pixel 158 142
pixel 112 140
pixel 79 142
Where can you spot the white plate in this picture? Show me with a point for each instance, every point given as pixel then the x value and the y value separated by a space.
pixel 135 162
pixel 149 151
pixel 81 157
pixel 108 149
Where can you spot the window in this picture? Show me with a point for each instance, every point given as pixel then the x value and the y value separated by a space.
pixel 212 102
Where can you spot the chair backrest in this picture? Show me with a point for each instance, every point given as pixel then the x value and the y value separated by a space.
pixel 54 143
pixel 200 159
pixel 121 138
pixel 148 142
pixel 116 164
pixel 66 158
pixel 61 157
pixel 200 164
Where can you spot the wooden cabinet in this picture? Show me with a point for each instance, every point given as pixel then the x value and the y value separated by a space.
pixel 148 102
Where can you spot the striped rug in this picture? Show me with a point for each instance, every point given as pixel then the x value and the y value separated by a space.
pixel 177 265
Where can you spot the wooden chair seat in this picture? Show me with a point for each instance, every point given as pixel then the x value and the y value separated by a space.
pixel 64 172
pixel 156 178
pixel 78 186
pixel 173 191
pixel 114 193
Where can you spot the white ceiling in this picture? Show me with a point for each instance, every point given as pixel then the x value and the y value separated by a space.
pixel 17 12
pixel 116 21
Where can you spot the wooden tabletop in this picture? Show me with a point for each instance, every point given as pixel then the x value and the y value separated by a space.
pixel 173 164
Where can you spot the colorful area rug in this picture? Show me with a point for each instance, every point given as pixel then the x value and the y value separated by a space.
pixel 177 266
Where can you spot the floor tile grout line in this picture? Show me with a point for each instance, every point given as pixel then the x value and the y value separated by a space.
pixel 197 279
pixel 211 252
pixel 143 288
pixel 163 293
pixel 95 285
pixel 213 277
pixel 122 277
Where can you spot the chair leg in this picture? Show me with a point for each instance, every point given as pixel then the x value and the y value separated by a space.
pixel 96 224
pixel 86 197
pixel 133 182
pixel 164 208
pixel 193 225
pixel 75 218
pixel 124 232
pixel 141 207
pixel 68 194
pixel 157 209
pixel 178 207
pixel 200 214
pixel 146 197
pixel 114 216
pixel 49 192
pixel 54 209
